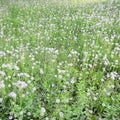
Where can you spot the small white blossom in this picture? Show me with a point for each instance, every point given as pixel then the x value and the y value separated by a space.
pixel 112 86
pixel 60 76
pixel 9 85
pixel 23 95
pixel 1 99
pixel 90 111
pixel 88 94
pixel 41 71
pixel 43 110
pixel 32 78
pixel 34 89
pixel 28 113
pixel 2 73
pixel 72 80
pixel 113 75
pixel 108 93
pixel 95 98
pixel 47 118
pixel 21 113
pixel 61 114
pixel 16 67
pixel 2 53
pixel 2 85
pixel 57 100
pixel 102 80
pixel 12 94
pixel 10 117
pixel 103 104
pixel 67 100
pixel 21 84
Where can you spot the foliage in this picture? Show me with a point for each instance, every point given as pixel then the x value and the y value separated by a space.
pixel 59 61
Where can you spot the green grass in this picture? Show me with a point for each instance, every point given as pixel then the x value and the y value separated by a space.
pixel 60 60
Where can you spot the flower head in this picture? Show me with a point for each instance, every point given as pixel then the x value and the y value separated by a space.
pixel 12 94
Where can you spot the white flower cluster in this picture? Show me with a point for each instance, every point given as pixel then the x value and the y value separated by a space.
pixel 2 73
pixel 2 54
pixel 10 66
pixel 43 110
pixel 13 95
pixel 23 74
pixel 20 84
pixel 2 85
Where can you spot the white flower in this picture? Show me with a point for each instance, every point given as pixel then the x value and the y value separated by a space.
pixel 102 80
pixel 108 93
pixel 29 113
pixel 56 76
pixel 28 81
pixel 53 85
pixel 3 65
pixel 41 71
pixel 10 117
pixel 21 113
pixel 113 75
pixel 16 67
pixel 21 84
pixel 43 110
pixel 9 85
pixel 95 98
pixel 23 95
pixel 12 94
pixel 90 111
pixel 1 99
pixel 88 94
pixel 2 53
pixel 67 100
pixel 70 64
pixel 103 104
pixel 2 73
pixel 34 89
pixel 32 78
pixel 60 76
pixel 72 80
pixel 2 85
pixel 57 100
pixel 27 75
pixel 61 114
pixel 46 118
pixel 9 66
pixel 112 86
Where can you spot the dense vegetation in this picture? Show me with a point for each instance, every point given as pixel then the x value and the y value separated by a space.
pixel 59 60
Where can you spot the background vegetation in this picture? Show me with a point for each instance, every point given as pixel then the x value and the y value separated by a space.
pixel 59 60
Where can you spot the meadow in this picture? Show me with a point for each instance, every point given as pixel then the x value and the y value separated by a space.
pixel 59 60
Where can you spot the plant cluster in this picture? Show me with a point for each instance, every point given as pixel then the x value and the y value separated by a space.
pixel 59 61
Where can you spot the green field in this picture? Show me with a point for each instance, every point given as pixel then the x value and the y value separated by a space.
pixel 59 59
